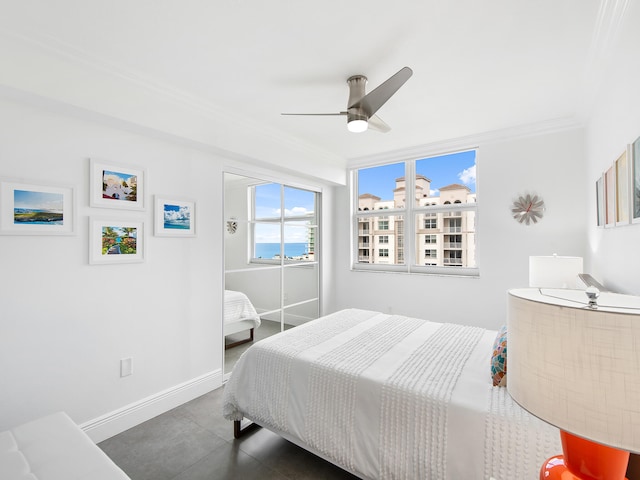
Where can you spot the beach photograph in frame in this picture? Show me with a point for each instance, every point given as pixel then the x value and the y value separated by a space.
pixel 622 189
pixel 36 209
pixel 116 186
pixel 635 181
pixel 115 241
pixel 174 218
pixel 610 197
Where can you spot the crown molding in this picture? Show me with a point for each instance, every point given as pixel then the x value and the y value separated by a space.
pixel 209 125
pixel 468 142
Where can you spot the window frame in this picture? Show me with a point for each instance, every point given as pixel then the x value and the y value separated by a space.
pixel 283 220
pixel 410 211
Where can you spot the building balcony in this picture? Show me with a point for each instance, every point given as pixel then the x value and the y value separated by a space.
pixel 452 214
pixel 452 261
pixel 452 229
pixel 452 245
pixel 364 245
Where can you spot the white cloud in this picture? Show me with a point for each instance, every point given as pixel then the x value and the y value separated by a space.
pixel 434 193
pixel 468 175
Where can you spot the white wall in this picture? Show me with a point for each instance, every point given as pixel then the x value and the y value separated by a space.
pixel 551 165
pixel 615 122
pixel 66 324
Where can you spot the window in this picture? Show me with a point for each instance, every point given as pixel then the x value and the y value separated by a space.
pixel 430 201
pixel 430 223
pixel 284 224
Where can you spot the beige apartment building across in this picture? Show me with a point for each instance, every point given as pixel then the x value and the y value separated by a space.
pixel 445 238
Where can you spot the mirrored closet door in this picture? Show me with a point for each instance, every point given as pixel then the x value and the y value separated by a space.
pixel 271 260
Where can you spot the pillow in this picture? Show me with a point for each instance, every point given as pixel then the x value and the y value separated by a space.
pixel 499 359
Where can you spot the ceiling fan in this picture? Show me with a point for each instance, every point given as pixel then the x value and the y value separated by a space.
pixel 361 107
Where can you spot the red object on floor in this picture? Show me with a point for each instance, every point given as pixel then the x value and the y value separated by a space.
pixel 585 460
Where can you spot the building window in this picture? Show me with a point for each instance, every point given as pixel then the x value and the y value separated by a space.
pixel 430 223
pixel 437 195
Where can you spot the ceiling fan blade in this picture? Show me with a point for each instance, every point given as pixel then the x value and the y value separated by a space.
pixel 377 97
pixel 316 114
pixel 376 123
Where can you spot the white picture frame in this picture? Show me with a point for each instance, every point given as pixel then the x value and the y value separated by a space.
pixel 32 208
pixel 634 180
pixel 116 186
pixel 174 217
pixel 116 241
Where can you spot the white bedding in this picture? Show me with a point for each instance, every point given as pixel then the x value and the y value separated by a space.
pixel 390 397
pixel 238 308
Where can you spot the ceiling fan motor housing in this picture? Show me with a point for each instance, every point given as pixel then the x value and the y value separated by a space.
pixel 357 84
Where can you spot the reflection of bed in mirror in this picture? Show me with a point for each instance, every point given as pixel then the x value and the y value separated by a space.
pixel 239 315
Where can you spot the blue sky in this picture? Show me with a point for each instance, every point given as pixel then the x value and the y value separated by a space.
pixel 38 200
pixel 442 171
pixel 296 202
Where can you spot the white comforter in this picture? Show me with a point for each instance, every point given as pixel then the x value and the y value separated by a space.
pixel 390 397
pixel 238 307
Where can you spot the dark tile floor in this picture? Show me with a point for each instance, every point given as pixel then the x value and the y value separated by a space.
pixel 194 442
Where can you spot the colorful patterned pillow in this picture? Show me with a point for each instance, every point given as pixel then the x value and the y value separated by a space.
pixel 499 359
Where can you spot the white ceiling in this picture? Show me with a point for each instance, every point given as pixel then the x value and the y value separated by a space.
pixel 479 66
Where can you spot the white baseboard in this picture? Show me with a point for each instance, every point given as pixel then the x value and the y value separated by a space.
pixel 118 421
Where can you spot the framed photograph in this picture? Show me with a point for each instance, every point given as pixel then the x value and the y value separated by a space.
pixel 34 209
pixel 610 197
pixel 115 241
pixel 116 186
pixel 622 189
pixel 635 181
pixel 600 202
pixel 174 218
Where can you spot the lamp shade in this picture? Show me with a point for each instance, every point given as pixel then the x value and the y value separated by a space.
pixel 554 271
pixel 577 367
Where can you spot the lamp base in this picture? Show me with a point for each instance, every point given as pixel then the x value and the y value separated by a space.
pixel 585 460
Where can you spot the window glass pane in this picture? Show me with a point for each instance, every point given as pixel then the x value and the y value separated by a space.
pixel 381 239
pixel 299 241
pixel 267 240
pixel 267 200
pixel 299 203
pixel 446 179
pixel 451 241
pixel 381 187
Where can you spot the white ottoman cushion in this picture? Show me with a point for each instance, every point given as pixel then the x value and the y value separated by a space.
pixel 53 448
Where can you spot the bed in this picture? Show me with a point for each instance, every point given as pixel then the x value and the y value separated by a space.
pixel 239 315
pixel 389 397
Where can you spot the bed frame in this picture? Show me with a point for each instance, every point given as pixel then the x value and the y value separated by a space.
pixel 237 327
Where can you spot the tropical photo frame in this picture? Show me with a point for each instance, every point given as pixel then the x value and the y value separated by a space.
pixel 28 208
pixel 116 186
pixel 634 188
pixel 610 196
pixel 622 189
pixel 174 217
pixel 600 201
pixel 115 241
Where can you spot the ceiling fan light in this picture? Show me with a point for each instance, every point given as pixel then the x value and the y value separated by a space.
pixel 357 126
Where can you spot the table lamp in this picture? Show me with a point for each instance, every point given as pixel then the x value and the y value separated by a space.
pixel 574 362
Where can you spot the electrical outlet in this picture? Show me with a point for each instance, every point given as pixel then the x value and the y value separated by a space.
pixel 126 366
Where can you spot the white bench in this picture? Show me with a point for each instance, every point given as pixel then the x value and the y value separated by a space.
pixel 53 448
